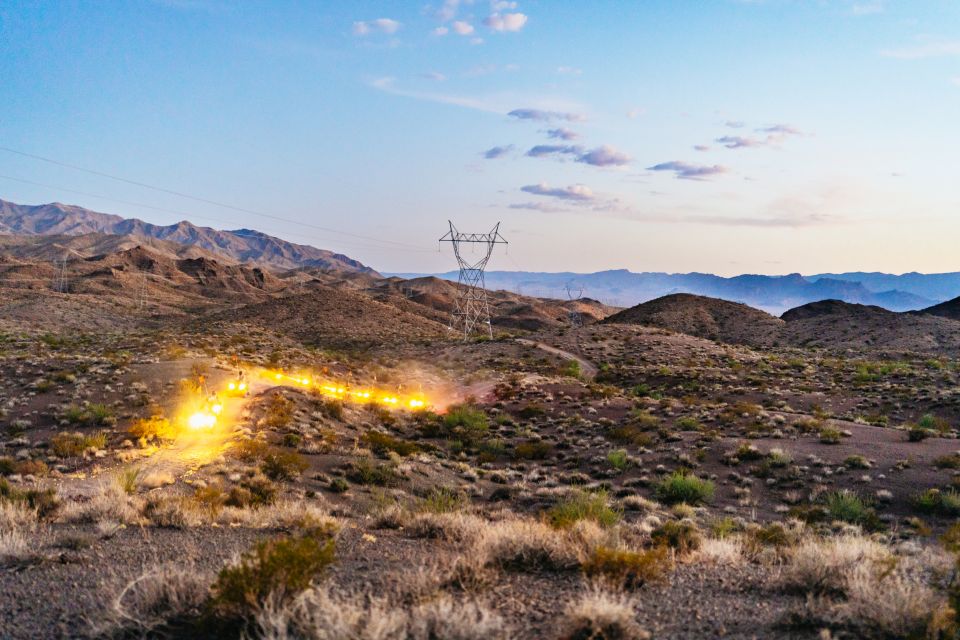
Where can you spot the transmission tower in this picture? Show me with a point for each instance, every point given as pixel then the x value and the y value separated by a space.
pixel 60 282
pixel 471 307
pixel 576 319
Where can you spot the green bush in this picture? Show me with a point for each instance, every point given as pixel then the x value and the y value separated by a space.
pixel 630 434
pixel 945 503
pixel 681 486
pixel 847 506
pixel 531 411
pixel 89 416
pixel 277 569
pixel 618 459
pixel 583 505
pixel 916 433
pixel 466 422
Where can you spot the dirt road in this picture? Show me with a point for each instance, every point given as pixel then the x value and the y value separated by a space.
pixel 587 369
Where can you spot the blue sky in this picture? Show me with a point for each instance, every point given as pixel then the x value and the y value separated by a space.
pixel 723 136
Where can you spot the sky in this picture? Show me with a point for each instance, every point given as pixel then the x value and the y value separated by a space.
pixel 722 136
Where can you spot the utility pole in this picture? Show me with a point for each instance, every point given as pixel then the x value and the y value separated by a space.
pixel 470 306
pixel 576 318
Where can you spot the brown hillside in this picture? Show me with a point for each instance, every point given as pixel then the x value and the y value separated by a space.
pixel 718 320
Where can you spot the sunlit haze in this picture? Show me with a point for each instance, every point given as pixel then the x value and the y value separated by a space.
pixel 726 137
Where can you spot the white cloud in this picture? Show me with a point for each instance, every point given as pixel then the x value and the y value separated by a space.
pixel 572 71
pixel 433 75
pixel 506 21
pixel 462 28
pixel 579 192
pixel 441 31
pixel 381 25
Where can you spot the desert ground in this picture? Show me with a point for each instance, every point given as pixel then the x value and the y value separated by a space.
pixel 685 469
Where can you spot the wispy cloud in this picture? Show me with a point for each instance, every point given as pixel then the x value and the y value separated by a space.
pixel 926 48
pixel 543 207
pixel 497 152
pixel 689 171
pixel 542 150
pixel 604 156
pixel 578 192
pixel 498 102
pixel 701 147
pixel 545 116
pixel 436 76
pixel 775 134
pixel 734 124
pixel 867 8
pixel 562 133
pixel 739 142
pixel 570 71
pixel 380 25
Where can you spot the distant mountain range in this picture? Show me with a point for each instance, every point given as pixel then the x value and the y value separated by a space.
pixel 773 294
pixel 240 245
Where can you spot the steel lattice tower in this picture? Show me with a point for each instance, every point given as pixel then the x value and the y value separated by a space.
pixel 576 318
pixel 471 307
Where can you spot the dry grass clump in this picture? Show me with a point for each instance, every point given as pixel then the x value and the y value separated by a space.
pixel 720 551
pixel 823 566
pixel 525 545
pixel 454 527
pixel 600 613
pixel 160 596
pixel 109 503
pixel 320 614
pixel 860 585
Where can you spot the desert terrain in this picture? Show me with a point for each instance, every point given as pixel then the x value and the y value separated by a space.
pixel 193 446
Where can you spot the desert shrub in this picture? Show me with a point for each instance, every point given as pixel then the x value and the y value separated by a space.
pixel 524 545
pixel 466 422
pixel 618 459
pixel 847 506
pixel 210 499
pixel 68 445
pixel 443 500
pixel 945 503
pixel 688 424
pixel 680 486
pixel 160 597
pixel 583 505
pixel 949 461
pixel 8 466
pixel 531 411
pixel 153 427
pixel 339 485
pixel 916 433
pixel 532 450
pixel 367 472
pixel 777 458
pixel 856 462
pixel 43 502
pixel 571 368
pixel 128 480
pixel 681 535
pixel 933 423
pixel 91 415
pixel 250 450
pixel 601 615
pixel 630 434
pixel 383 443
pixel 283 465
pixel 253 492
pixel 278 411
pixel 292 440
pixel 276 569
pixel 829 435
pixel 332 408
pixel 747 452
pixel 31 468
pixel 624 568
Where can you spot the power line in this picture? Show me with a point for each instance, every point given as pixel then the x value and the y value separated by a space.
pixel 181 194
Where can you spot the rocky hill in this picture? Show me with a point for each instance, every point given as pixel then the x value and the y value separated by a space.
pixel 704 317
pixel 240 245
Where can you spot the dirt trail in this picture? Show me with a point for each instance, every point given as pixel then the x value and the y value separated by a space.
pixel 587 369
